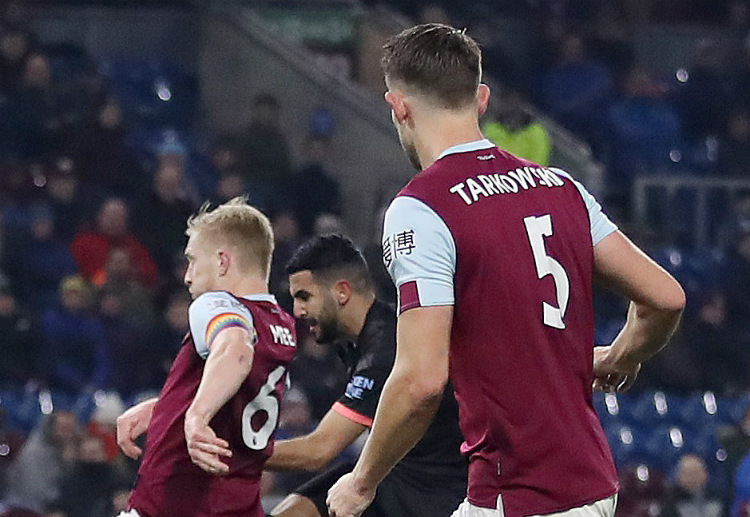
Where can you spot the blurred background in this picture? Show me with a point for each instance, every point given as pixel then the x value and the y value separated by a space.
pixel 118 118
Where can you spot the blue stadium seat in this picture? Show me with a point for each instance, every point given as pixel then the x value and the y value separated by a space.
pixel 651 408
pixel 664 445
pixel 627 444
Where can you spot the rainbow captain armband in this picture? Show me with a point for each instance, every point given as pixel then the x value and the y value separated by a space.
pixel 224 321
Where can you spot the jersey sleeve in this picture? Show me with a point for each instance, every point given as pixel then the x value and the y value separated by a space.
pixel 360 400
pixel 601 225
pixel 419 253
pixel 213 312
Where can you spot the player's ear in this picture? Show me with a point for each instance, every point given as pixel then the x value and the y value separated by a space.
pixel 483 98
pixel 342 292
pixel 396 101
pixel 224 262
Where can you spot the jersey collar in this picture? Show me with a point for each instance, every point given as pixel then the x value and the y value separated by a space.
pixel 468 147
pixel 260 298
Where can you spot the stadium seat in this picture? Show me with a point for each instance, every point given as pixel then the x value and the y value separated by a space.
pixel 650 409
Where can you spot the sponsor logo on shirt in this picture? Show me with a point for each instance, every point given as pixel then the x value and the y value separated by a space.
pixel 357 386
pixel 398 244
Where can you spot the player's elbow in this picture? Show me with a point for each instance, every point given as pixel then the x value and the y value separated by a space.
pixel 672 298
pixel 427 391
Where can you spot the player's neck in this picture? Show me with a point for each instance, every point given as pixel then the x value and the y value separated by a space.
pixel 355 314
pixel 243 285
pixel 443 130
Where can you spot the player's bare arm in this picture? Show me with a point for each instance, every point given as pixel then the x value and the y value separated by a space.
pixel 227 366
pixel 410 397
pixel 657 301
pixel 314 451
pixel 133 423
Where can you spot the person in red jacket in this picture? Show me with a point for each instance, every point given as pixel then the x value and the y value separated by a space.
pixel 91 248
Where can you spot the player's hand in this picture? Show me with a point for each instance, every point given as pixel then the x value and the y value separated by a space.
pixel 610 376
pixel 205 448
pixel 347 499
pixel 131 424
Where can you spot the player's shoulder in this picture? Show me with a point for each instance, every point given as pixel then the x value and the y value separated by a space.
pixel 216 301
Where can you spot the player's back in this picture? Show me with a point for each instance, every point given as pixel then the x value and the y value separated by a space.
pixel 169 484
pixel 522 336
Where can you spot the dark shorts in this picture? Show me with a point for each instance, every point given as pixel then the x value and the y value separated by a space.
pixel 396 495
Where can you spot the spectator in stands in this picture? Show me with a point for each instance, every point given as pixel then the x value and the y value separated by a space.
pixel 690 497
pixel 741 495
pixel 101 155
pixel 163 214
pixel 35 477
pixel 129 319
pixel 15 45
pixel 314 190
pixel 168 335
pixel 576 88
pixel 91 248
pixel 264 142
pixel 734 149
pixel 329 224
pixel 643 129
pixel 723 360
pixel 11 443
pixel 70 203
pixel 287 238
pixel 33 125
pixel 511 128
pixel 74 345
pixel 19 342
pixel 117 281
pixel 231 185
pixel 40 260
pixel 87 485
pixel 103 423
pixel 735 440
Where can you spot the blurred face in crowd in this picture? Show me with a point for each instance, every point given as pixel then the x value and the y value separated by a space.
pixel 692 474
pixel 74 300
pixel 315 305
pixel 37 73
pixel 14 45
pixel 110 115
pixel 113 218
pixel 203 265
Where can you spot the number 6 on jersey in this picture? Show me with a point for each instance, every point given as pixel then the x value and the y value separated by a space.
pixel 537 228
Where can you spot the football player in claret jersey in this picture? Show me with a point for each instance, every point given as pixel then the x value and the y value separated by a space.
pixel 211 429
pixel 493 257
pixel 334 295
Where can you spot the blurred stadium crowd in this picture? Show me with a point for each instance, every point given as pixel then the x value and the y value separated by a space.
pixel 102 161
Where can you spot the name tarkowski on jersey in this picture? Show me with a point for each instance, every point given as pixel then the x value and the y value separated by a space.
pixel 512 182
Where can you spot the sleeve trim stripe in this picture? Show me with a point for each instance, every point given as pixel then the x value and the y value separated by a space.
pixel 352 415
pixel 224 321
pixel 408 295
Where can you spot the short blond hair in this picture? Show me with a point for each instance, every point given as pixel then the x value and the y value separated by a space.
pixel 236 223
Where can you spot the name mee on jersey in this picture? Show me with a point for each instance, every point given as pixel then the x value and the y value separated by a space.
pixel 485 185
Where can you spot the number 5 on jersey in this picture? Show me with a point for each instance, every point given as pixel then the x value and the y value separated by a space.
pixel 537 228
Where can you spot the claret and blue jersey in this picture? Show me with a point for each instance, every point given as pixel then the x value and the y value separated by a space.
pixel 509 245
pixel 168 482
